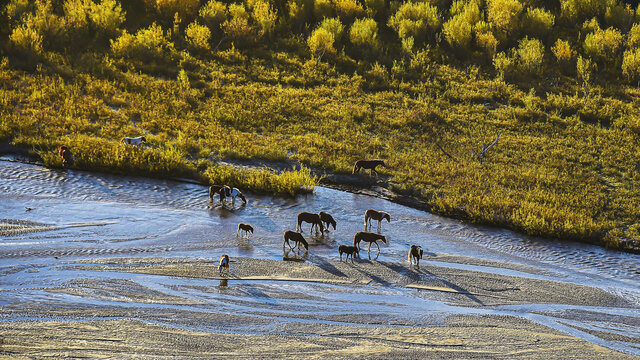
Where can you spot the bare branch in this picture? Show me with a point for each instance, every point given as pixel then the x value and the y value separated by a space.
pixel 446 153
pixel 485 148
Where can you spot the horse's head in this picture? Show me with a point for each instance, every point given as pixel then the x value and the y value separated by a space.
pixel 304 243
pixel 383 238
pixel 386 216
pixel 381 163
pixel 143 139
pixel 244 200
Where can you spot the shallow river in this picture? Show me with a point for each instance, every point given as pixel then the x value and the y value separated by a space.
pixel 81 215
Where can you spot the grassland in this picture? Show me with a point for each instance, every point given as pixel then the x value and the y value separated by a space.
pixel 566 164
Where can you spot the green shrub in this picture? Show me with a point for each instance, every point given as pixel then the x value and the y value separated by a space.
pixel 106 17
pixel 364 32
pixel 237 26
pixel 148 44
pixel 321 43
pixel 603 45
pixel 213 13
pixel 530 54
pixel 564 53
pixel 198 36
pixel 26 40
pixel 504 14
pixel 488 42
pixel 631 64
pixel 264 16
pixel 347 10
pixel 633 37
pixel 334 26
pixel 457 31
pixel 503 64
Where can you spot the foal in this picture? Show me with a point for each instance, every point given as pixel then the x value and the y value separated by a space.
pixel 312 218
pixel 349 251
pixel 233 193
pixel 135 141
pixel 246 228
pixel 375 215
pixel 297 238
pixel 368 164
pixel 415 252
pixel 371 238
pixel 66 155
pixel 224 263
pixel 327 220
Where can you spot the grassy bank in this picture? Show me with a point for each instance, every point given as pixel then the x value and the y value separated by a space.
pixel 565 165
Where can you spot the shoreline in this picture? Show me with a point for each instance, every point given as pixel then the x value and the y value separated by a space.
pixel 355 184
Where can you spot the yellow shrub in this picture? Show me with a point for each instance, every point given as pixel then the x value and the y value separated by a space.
pixel 198 36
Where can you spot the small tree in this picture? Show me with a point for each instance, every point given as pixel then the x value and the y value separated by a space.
pixel 106 17
pixel 503 64
pixel 619 16
pixel 537 22
pixel 585 68
pixel 603 45
pixel 237 26
pixel 264 16
pixel 374 7
pixel 504 14
pixel 488 42
pixel 334 26
pixel 563 52
pixel 457 31
pixel 347 10
pixel 364 33
pixel 416 20
pixel 187 9
pixel 633 37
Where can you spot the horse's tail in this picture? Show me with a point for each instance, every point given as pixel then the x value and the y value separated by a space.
pixel 356 240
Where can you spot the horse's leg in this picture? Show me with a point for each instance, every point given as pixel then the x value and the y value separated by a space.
pixel 369 250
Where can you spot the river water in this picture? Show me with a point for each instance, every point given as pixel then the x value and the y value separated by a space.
pixel 82 215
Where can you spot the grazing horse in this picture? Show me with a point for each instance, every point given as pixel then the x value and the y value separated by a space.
pixel 312 218
pixel 297 238
pixel 368 164
pixel 233 193
pixel 349 251
pixel 246 228
pixel 224 263
pixel 327 220
pixel 66 155
pixel 371 238
pixel 415 252
pixel 371 214
pixel 135 141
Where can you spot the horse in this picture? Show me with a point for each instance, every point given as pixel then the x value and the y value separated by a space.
pixel 327 220
pixel 297 238
pixel 214 189
pixel 135 141
pixel 246 228
pixel 368 164
pixel 233 193
pixel 415 252
pixel 371 214
pixel 312 218
pixel 369 237
pixel 349 251
pixel 66 155
pixel 224 263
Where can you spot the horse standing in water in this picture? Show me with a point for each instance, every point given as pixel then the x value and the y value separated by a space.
pixel 297 238
pixel 312 218
pixel 371 238
pixel 230 192
pixel 215 189
pixel 245 228
pixel 371 214
pixel 368 164
pixel 327 220
pixel 224 263
pixel 415 253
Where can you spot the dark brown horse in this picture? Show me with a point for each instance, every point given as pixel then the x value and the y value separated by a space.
pixel 371 238
pixel 246 228
pixel 371 214
pixel 415 253
pixel 213 190
pixel 66 155
pixel 368 164
pixel 349 251
pixel 297 238
pixel 327 220
pixel 312 218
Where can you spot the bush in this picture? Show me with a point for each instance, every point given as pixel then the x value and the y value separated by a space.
pixel 106 17
pixel 457 31
pixel 563 52
pixel 633 37
pixel 530 54
pixel 364 32
pixel 488 42
pixel 26 40
pixel 537 22
pixel 213 13
pixel 198 36
pixel 631 64
pixel 577 10
pixel 415 20
pixel 504 14
pixel 186 9
pixel 619 16
pixel 334 26
pixel 148 44
pixel 603 45
pixel 347 10
pixel 237 26
pixel 323 9
pixel 16 9
pixel 320 43
pixel 503 64
pixel 374 7
pixel 264 16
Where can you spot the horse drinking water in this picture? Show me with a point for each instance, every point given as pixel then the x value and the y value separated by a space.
pixel 371 214
pixel 297 238
pixel 312 218
pixel 327 220
pixel 371 238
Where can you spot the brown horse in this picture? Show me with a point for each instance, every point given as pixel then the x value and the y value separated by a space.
pixel 371 214
pixel 297 238
pixel 371 238
pixel 66 155
pixel 415 252
pixel 312 218
pixel 224 263
pixel 327 220
pixel 368 164
pixel 214 189
pixel 246 228
pixel 349 251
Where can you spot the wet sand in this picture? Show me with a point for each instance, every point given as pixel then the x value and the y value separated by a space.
pixel 127 267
